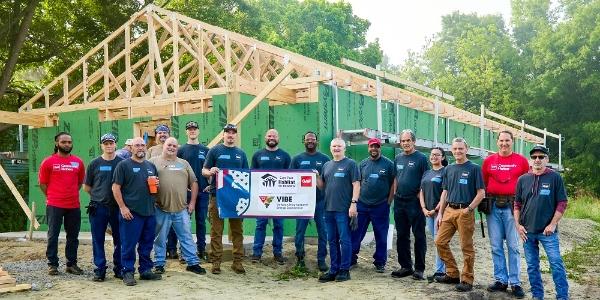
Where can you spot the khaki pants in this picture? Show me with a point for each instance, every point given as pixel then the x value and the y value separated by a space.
pixel 216 234
pixel 453 220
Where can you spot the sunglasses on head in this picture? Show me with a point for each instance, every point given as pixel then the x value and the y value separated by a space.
pixel 540 157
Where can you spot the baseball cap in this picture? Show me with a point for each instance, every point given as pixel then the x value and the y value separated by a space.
pixel 373 141
pixel 229 127
pixel 129 142
pixel 108 137
pixel 539 148
pixel 162 127
pixel 191 124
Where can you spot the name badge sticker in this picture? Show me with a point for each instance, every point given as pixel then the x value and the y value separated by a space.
pixel 375 176
pixel 135 170
pixel 339 174
pixel 106 168
pixel 463 181
pixel 400 167
pixel 544 192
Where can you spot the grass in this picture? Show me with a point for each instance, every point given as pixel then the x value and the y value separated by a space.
pixel 583 262
pixel 296 272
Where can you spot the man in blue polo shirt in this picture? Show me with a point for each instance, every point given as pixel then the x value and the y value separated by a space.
pixel 270 158
pixel 103 209
pixel 136 204
pixel 377 175
pixel 224 156
pixel 341 183
pixel 312 159
pixel 410 167
pixel 540 203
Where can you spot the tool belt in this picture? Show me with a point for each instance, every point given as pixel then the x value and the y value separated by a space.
pixel 457 205
pixel 502 201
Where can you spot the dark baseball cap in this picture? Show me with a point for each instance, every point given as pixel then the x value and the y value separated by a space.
pixel 191 124
pixel 539 148
pixel 162 127
pixel 230 127
pixel 108 137
pixel 373 141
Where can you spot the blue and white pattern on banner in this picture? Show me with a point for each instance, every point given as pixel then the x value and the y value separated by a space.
pixel 264 193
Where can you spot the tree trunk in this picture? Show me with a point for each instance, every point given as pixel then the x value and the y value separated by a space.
pixel 16 46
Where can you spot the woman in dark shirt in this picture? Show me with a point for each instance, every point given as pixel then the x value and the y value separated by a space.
pixel 431 190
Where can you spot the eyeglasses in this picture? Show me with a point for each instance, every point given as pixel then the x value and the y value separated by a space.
pixel 435 154
pixel 139 145
pixel 540 157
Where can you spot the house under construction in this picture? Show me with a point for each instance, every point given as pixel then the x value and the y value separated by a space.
pixel 164 67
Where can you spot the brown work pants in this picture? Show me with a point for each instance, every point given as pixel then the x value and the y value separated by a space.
pixel 453 220
pixel 216 234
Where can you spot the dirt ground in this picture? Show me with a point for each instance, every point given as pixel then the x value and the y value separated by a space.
pixel 26 262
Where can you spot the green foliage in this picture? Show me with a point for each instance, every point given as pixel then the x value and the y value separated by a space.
pixel 12 218
pixel 296 272
pixel 583 207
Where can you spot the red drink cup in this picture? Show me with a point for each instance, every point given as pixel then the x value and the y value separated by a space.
pixel 153 184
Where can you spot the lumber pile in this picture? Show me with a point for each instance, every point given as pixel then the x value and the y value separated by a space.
pixel 8 284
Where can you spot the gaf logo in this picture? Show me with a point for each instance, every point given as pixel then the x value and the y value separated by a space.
pixel 306 181
pixel 268 180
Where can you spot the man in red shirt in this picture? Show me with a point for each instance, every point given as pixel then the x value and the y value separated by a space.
pixel 500 174
pixel 60 177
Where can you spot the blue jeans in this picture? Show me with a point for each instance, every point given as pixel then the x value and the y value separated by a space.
pixel 408 215
pixel 440 267
pixel 340 243
pixel 379 216
pixel 261 232
pixel 72 222
pixel 501 226
pixel 102 216
pixel 200 213
pixel 139 232
pixel 301 225
pixel 180 222
pixel 532 257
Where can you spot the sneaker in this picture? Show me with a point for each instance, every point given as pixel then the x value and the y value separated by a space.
pixel 196 269
pixel 327 277
pixel 52 270
pixel 216 268
pixel 74 269
pixel 159 270
pixel 128 279
pixel 447 279
pixel 238 268
pixel 323 267
pixel 403 272
pixel 497 287
pixel 98 277
pixel 149 275
pixel 279 259
pixel 380 268
pixel 172 254
pixel 517 292
pixel 418 275
pixel 463 287
pixel 342 275
pixel 255 259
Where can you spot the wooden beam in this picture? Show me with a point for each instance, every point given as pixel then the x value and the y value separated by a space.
pixel 9 117
pixel 18 196
pixel 262 95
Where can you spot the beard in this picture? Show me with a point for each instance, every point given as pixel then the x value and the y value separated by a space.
pixel 272 143
pixel 140 154
pixel 374 154
pixel 310 146
pixel 64 150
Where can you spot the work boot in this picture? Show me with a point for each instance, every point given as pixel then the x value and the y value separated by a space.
pixel 52 270
pixel 149 275
pixel 323 267
pixel 403 272
pixel 279 259
pixel 196 269
pixel 98 277
pixel 327 277
pixel 159 270
pixel 216 267
pixel 380 268
pixel 446 279
pixel 128 279
pixel 418 275
pixel 74 269
pixel 497 286
pixel 463 287
pixel 238 268
pixel 517 291
pixel 300 264
pixel 342 275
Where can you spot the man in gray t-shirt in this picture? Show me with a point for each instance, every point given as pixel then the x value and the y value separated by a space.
pixel 341 182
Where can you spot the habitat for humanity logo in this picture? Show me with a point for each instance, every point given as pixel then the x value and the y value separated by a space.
pixel 269 180
pixel 266 200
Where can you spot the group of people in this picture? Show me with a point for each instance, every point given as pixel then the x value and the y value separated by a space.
pixel 148 199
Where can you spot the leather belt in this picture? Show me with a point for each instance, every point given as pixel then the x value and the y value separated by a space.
pixel 457 205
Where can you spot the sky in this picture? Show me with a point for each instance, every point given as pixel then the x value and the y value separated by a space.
pixel 403 25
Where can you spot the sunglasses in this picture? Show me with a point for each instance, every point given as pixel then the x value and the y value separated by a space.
pixel 540 157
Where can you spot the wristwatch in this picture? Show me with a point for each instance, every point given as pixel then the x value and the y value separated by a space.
pixel 470 208
pixel 354 201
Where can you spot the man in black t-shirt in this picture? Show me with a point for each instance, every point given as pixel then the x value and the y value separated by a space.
pixel 136 221
pixel 270 158
pixel 410 167
pixel 224 156
pixel 540 202
pixel 102 209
